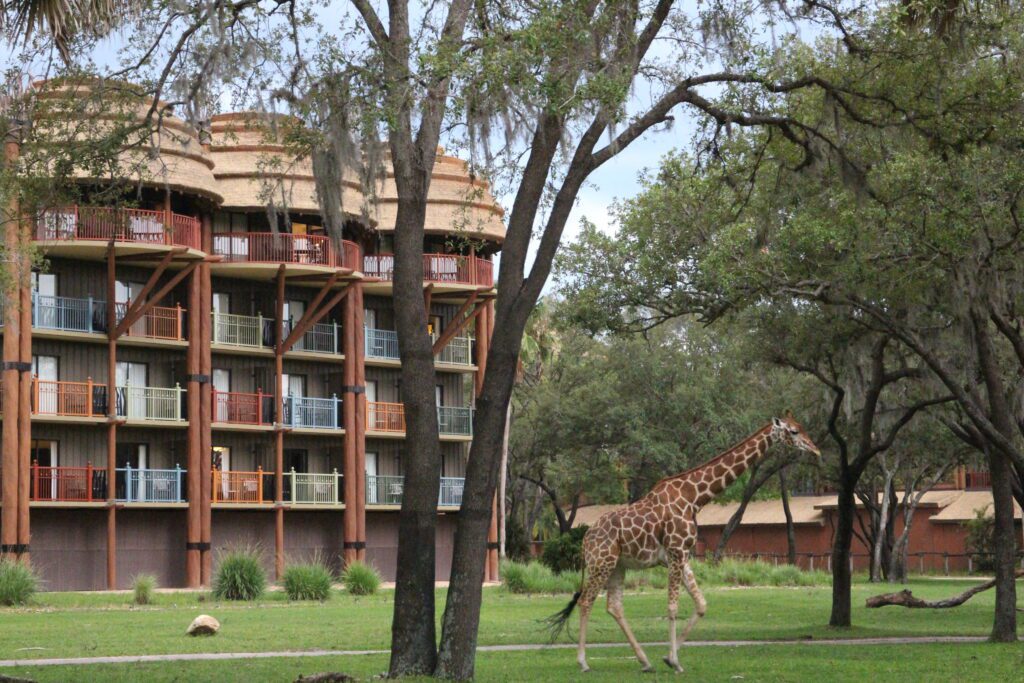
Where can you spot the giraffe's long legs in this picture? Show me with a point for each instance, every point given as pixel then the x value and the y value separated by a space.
pixel 596 578
pixel 680 572
pixel 616 585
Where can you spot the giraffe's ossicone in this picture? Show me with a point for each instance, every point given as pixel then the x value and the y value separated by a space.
pixel 661 529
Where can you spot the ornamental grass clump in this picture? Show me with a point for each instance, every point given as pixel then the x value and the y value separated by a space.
pixel 143 588
pixel 360 579
pixel 309 581
pixel 240 576
pixel 18 583
pixel 535 578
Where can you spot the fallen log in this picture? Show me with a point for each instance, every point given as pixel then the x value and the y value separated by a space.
pixel 905 598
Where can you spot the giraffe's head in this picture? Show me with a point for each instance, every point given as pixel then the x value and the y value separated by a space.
pixel 790 432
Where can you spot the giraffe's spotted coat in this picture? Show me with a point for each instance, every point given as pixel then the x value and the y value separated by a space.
pixel 661 529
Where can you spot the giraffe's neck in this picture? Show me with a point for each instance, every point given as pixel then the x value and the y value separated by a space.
pixel 715 476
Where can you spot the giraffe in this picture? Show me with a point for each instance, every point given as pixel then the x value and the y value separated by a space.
pixel 661 528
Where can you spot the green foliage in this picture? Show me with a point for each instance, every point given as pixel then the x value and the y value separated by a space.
pixel 565 552
pixel 731 572
pixel 143 589
pixel 18 583
pixel 359 578
pixel 980 540
pixel 537 578
pixel 309 581
pixel 239 575
pixel 517 541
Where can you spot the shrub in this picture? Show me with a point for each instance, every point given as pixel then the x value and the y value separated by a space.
pixel 534 577
pixel 517 541
pixel 240 576
pixel 360 579
pixel 565 553
pixel 143 587
pixel 981 540
pixel 18 583
pixel 311 581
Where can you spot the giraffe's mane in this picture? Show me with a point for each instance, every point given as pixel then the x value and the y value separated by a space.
pixel 713 460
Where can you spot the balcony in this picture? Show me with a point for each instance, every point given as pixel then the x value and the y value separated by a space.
pixel 267 247
pixel 135 485
pixel 68 314
pixel 68 484
pixel 387 490
pixel 390 418
pixel 383 345
pixel 312 413
pixel 158 228
pixel 69 399
pixel 150 403
pixel 231 407
pixel 257 332
pixel 257 488
pixel 440 268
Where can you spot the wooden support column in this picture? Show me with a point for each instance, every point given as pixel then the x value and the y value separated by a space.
pixel 25 407
pixel 351 474
pixel 9 441
pixel 206 407
pixel 111 417
pixel 359 394
pixel 193 368
pixel 279 429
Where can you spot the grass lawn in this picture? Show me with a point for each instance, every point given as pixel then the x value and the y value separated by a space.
pixel 975 663
pixel 88 625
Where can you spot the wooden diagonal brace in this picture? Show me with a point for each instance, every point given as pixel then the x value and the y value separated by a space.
pixel 309 320
pixel 459 322
pixel 137 311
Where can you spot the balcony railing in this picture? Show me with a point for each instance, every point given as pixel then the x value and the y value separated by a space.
pixel 68 484
pixel 257 332
pixel 134 485
pixel 150 403
pixel 239 408
pixel 69 314
pixel 387 490
pixel 380 343
pixel 69 399
pixel 442 268
pixel 384 490
pixel 243 487
pixel 121 225
pixel 385 417
pixel 320 338
pixel 458 351
pixel 455 420
pixel 314 489
pixel 451 491
pixel 312 413
pixel 267 247
pixel 390 417
pixel 976 479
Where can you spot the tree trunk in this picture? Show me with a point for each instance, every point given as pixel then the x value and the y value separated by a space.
pixel 905 598
pixel 883 523
pixel 413 627
pixel 461 621
pixel 1004 626
pixel 841 575
pixel 790 529
pixel 503 483
pixel 730 527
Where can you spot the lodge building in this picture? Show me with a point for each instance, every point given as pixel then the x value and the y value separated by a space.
pixel 180 377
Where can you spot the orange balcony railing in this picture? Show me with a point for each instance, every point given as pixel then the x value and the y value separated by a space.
pixel 122 225
pixel 267 247
pixel 69 399
pixel 441 268
pixel 68 484
pixel 385 417
pixel 160 322
pixel 242 487
pixel 239 408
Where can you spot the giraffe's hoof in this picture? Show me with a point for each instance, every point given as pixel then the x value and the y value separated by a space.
pixel 647 669
pixel 675 666
pixel 584 669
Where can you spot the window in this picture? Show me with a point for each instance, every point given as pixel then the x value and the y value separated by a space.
pixel 126 291
pixel 44 284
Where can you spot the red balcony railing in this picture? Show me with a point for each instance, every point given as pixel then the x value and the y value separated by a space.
pixel 121 225
pixel 385 417
pixel 978 480
pixel 239 408
pixel 267 247
pixel 443 268
pixel 160 322
pixel 68 484
pixel 69 399
pixel 242 487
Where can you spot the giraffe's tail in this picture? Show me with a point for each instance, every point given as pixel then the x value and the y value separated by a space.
pixel 557 622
